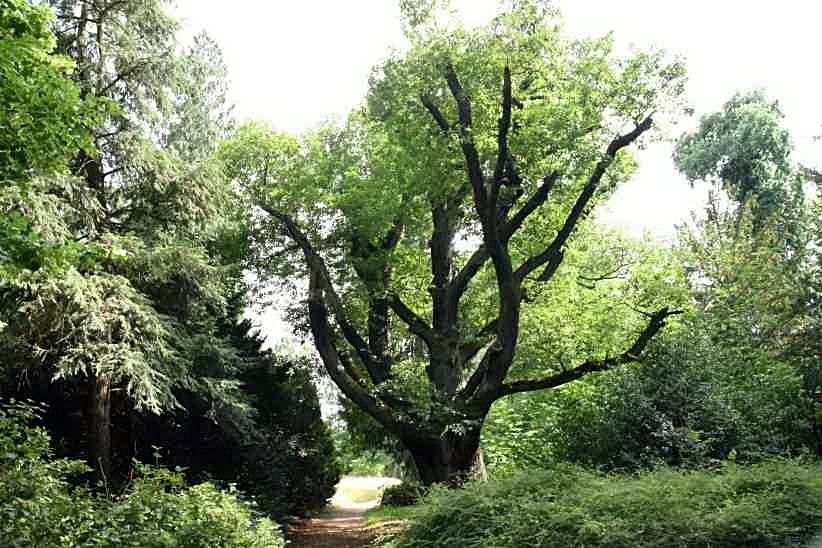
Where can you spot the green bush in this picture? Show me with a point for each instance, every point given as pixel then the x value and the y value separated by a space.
pixel 40 506
pixel 774 503
pixel 406 493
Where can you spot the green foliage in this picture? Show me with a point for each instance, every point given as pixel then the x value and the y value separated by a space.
pixel 43 118
pixel 744 147
pixel 758 301
pixel 291 468
pixel 691 403
pixel 772 504
pixel 407 493
pixel 745 150
pixel 391 162
pixel 44 121
pixel 386 513
pixel 125 266
pixel 41 506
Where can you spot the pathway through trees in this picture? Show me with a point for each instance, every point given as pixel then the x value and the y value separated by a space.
pixel 343 525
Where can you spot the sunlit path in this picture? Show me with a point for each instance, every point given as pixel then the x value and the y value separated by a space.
pixel 342 526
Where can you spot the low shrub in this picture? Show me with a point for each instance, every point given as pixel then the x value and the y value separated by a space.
pixel 40 504
pixel 406 493
pixel 774 503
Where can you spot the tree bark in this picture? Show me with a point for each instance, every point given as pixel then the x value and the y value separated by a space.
pixel 447 458
pixel 100 427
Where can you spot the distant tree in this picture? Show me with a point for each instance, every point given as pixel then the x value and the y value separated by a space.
pixel 442 207
pixel 746 150
pixel 756 263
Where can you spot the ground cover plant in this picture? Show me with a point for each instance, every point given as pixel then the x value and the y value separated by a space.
pixel 775 503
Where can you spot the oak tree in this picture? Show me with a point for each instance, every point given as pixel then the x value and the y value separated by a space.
pixel 424 226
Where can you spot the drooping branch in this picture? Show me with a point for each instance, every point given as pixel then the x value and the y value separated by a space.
pixel 656 323
pixel 554 249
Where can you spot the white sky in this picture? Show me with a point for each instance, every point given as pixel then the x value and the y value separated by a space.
pixel 297 63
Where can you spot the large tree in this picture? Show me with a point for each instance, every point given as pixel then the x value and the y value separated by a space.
pixel 426 224
pixel 156 224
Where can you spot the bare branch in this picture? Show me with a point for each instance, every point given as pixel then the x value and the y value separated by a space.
pixel 614 273
pixel 656 323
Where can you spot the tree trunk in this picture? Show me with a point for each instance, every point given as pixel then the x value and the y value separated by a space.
pixel 445 459
pixel 100 427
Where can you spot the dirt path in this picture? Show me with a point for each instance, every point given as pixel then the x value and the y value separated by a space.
pixel 343 525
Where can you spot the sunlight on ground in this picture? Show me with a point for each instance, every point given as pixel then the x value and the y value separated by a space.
pixel 359 492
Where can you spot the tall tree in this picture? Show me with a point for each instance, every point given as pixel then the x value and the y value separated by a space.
pixel 148 198
pixel 443 206
pixel 756 262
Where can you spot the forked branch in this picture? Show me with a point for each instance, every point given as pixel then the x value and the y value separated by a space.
pixel 554 249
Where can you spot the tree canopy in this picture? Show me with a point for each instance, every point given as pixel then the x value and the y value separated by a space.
pixel 446 204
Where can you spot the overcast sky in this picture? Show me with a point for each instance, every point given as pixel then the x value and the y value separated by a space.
pixel 297 63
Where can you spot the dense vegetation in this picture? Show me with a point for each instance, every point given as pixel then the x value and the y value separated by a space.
pixel 41 505
pixel 773 504
pixel 122 248
pixel 441 249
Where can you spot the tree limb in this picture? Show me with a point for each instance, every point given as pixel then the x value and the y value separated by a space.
pixel 416 324
pixel 337 364
pixel 469 149
pixel 533 203
pixel 504 125
pixel 553 251
pixel 435 112
pixel 656 323
pixel 323 281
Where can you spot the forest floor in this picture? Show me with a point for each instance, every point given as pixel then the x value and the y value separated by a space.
pixel 343 525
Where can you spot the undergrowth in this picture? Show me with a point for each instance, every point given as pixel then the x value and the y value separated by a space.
pixel 772 504
pixel 42 504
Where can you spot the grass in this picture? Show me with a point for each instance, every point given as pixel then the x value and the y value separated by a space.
pixel 362 490
pixel 359 494
pixel 388 513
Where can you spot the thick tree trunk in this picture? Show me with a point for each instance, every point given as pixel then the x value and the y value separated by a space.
pixel 446 459
pixel 100 427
